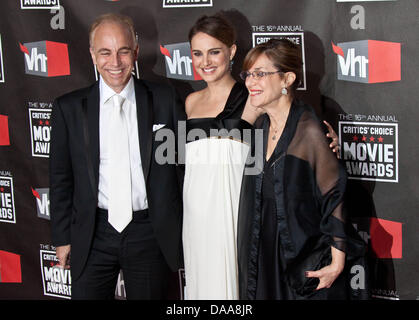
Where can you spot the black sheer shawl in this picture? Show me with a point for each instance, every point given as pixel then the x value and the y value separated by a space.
pixel 309 190
pixel 324 185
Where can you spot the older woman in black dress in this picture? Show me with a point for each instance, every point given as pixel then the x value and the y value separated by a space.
pixel 291 227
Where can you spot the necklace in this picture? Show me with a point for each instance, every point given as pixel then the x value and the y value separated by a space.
pixel 283 116
pixel 275 132
pixel 275 129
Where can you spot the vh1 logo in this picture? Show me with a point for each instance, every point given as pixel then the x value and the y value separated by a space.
pixel 42 202
pixel 368 61
pixel 178 58
pixel 46 58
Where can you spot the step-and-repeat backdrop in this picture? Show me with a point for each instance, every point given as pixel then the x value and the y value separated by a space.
pixel 360 73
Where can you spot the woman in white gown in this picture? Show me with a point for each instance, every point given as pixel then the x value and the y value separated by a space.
pixel 214 164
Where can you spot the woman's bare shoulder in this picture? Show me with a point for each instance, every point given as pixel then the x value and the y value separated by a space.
pixel 193 100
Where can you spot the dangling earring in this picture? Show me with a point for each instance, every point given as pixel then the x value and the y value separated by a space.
pixel 231 65
pixel 284 91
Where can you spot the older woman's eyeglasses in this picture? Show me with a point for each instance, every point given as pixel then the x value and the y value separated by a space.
pixel 256 74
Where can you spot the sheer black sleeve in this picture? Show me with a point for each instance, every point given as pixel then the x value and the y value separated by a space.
pixel 310 144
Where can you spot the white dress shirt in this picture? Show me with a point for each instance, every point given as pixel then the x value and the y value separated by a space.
pixel 139 194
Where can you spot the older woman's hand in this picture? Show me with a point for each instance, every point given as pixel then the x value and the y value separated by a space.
pixel 251 113
pixel 334 145
pixel 328 274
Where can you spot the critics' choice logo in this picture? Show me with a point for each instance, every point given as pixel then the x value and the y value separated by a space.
pixel 10 268
pixel 40 126
pixel 368 61
pixel 56 280
pixel 7 202
pixel 186 3
pixel 42 202
pixel 4 130
pixel 1 63
pixel 370 150
pixel 178 59
pixel 296 37
pixel 46 58
pixel 39 4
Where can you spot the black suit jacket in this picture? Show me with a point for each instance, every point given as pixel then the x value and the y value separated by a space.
pixel 74 170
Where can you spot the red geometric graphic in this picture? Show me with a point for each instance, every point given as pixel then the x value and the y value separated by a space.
pixel 58 60
pixel 36 194
pixel 384 61
pixel 338 50
pixel 165 52
pixel 23 48
pixel 10 269
pixel 386 238
pixel 4 131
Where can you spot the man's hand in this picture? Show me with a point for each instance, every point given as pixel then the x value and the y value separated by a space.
pixel 63 255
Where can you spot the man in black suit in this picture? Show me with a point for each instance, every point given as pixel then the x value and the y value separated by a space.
pixel 113 207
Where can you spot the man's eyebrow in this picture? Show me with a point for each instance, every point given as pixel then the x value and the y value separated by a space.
pixel 103 50
pixel 125 48
pixel 108 50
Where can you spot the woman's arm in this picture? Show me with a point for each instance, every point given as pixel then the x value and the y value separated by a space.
pixel 328 274
pixel 250 113
pixel 331 182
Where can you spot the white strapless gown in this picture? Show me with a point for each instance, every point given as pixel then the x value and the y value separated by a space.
pixel 213 175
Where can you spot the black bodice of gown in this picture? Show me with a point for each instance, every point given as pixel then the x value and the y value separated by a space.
pixel 228 119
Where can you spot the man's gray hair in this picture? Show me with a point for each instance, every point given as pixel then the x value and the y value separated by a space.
pixel 115 18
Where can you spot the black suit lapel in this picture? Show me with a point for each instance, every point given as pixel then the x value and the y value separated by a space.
pixel 90 106
pixel 144 99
